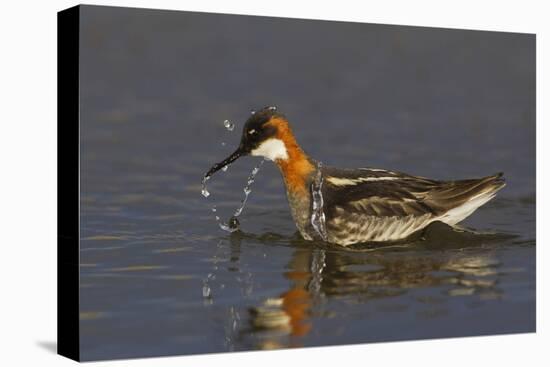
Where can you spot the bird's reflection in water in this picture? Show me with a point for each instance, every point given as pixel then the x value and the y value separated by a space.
pixel 280 322
pixel 463 265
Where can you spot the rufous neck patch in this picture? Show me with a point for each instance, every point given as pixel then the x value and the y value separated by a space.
pixel 296 168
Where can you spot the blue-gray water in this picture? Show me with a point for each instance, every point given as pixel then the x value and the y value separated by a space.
pixel 158 276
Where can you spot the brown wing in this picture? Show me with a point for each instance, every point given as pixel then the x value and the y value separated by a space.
pixel 384 193
pixel 375 192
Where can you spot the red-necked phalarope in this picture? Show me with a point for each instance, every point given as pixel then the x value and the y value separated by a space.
pixel 347 206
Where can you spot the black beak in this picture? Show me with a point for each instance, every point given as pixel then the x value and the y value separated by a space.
pixel 233 157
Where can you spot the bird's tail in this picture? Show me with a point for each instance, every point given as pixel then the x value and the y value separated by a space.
pixel 462 198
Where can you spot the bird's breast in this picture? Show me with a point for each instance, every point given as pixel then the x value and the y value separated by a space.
pixel 300 209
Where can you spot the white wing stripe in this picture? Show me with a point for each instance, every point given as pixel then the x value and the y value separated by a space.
pixel 338 181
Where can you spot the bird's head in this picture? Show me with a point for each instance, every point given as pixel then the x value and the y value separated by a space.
pixel 263 135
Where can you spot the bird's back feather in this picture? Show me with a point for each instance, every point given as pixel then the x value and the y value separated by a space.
pixel 379 205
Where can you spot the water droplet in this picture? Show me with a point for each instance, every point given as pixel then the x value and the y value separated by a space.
pixel 229 125
pixel 214 209
pixel 224 168
pixel 252 112
pixel 234 222
pixel 231 226
pixel 204 190
pixel 223 143
pixel 206 291
pixel 272 108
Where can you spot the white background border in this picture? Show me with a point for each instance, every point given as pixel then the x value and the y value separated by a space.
pixel 28 182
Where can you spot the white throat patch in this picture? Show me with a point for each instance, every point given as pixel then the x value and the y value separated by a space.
pixel 271 149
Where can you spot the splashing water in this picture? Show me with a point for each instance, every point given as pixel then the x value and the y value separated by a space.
pixel 229 125
pixel 247 189
pixel 204 190
pixel 317 213
pixel 233 224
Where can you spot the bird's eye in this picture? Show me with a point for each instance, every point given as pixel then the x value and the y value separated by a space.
pixel 252 132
